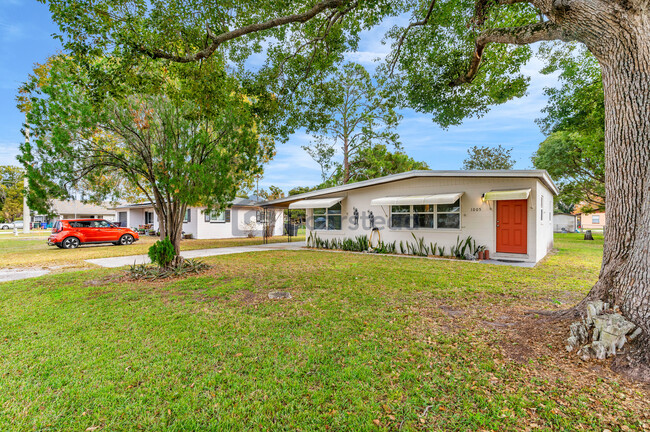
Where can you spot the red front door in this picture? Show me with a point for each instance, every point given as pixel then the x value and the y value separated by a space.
pixel 512 226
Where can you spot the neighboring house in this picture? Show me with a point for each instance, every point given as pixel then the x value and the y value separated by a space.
pixel 564 222
pixel 592 221
pixel 73 209
pixel 508 211
pixel 242 219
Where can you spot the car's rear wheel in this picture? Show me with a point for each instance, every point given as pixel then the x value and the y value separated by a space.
pixel 126 239
pixel 5 227
pixel 70 243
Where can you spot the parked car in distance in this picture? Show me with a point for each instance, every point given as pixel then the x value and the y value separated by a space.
pixel 11 225
pixel 71 233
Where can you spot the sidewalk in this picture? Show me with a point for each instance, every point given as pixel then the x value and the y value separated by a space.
pixel 199 253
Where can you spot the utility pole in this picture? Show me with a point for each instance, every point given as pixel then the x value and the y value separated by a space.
pixel 27 218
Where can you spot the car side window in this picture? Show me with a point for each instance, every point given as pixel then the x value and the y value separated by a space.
pixel 80 224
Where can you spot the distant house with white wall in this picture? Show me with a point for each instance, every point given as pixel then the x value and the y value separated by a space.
pixel 508 211
pixel 74 209
pixel 243 218
pixel 565 222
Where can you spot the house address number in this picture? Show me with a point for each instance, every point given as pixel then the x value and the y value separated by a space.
pixel 476 209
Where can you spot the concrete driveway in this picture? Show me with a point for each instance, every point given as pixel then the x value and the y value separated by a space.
pixel 7 275
pixel 199 253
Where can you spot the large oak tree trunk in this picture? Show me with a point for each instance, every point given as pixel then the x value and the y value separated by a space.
pixel 625 274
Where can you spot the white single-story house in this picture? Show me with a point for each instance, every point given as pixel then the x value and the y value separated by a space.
pixel 243 218
pixel 564 222
pixel 73 209
pixel 510 212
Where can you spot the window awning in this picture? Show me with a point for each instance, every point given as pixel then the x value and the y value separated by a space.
pixel 518 194
pixel 448 198
pixel 315 203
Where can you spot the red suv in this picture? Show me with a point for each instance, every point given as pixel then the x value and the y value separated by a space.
pixel 69 234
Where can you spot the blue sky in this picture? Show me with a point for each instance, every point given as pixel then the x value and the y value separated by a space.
pixel 25 39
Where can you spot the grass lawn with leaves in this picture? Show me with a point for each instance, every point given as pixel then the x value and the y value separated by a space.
pixel 33 251
pixel 365 343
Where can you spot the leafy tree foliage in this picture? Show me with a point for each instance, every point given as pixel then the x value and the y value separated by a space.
pixel 574 151
pixel 184 135
pixel 563 207
pixel 274 192
pixel 488 158
pixel 353 113
pixel 322 151
pixel 300 189
pixel 11 192
pixel 377 161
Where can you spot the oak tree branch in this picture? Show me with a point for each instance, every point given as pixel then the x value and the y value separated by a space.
pixel 523 35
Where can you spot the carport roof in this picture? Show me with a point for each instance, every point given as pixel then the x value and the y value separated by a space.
pixel 237 202
pixel 541 175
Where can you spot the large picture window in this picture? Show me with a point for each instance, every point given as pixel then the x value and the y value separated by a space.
pixel 218 217
pixel 328 218
pixel 432 216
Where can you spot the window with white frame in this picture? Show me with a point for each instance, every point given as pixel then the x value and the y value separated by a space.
pixel 218 217
pixel 188 216
pixel 328 218
pixel 595 219
pixel 432 216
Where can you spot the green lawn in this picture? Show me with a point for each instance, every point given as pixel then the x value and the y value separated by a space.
pixel 33 251
pixel 366 343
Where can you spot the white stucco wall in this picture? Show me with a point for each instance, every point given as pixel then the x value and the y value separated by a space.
pixel 478 218
pixel 568 222
pixel 242 221
pixel 544 220
pixel 237 227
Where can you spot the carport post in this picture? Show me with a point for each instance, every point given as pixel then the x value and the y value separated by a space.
pixel 264 227
pixel 289 225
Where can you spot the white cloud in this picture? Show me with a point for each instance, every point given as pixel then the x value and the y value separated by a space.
pixel 8 153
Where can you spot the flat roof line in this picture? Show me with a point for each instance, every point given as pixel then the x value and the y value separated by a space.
pixel 539 174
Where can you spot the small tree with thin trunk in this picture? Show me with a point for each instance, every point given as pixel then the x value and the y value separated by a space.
pixel 185 135
pixel 353 113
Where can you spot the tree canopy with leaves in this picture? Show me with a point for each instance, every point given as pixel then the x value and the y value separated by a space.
pixel 184 135
pixel 455 59
pixel 11 192
pixel 488 158
pixel 574 151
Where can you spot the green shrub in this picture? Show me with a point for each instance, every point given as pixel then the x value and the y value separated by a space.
pixel 162 253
